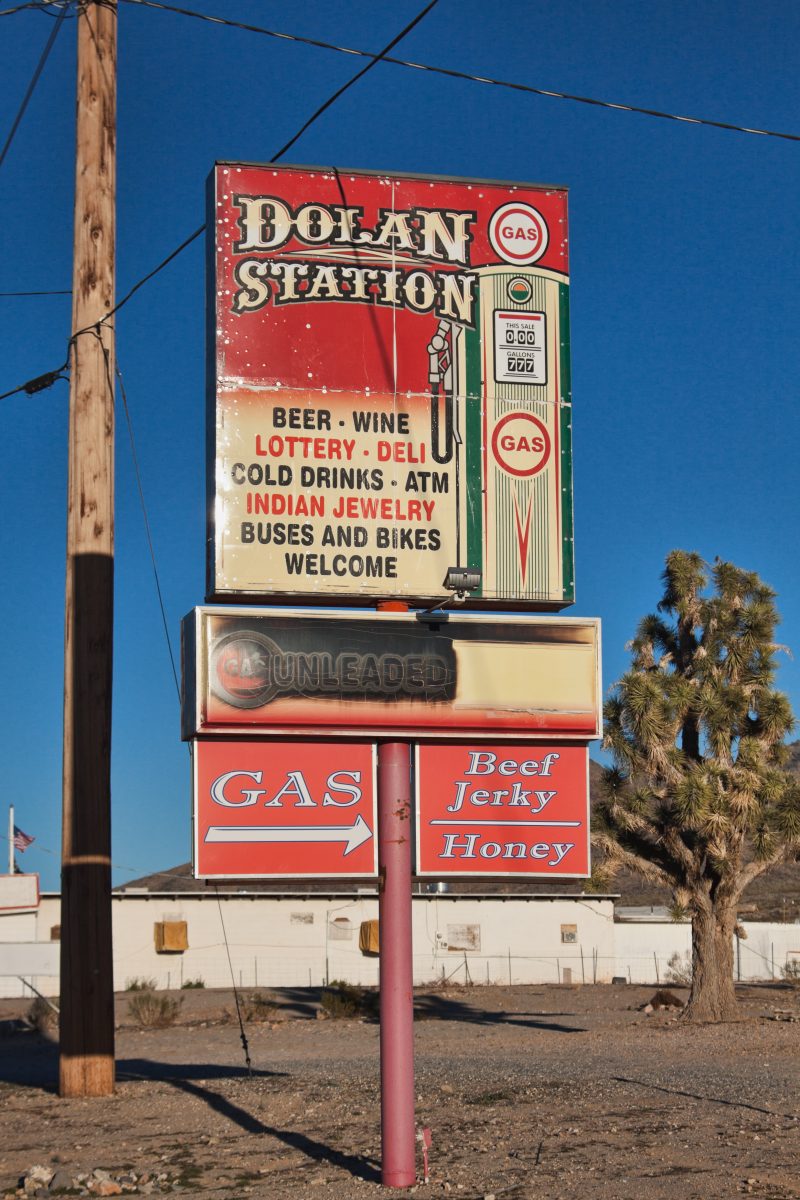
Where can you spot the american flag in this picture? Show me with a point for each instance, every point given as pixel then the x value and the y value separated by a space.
pixel 21 840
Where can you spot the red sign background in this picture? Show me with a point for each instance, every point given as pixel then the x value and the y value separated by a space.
pixel 284 809
pixel 503 809
pixel 350 346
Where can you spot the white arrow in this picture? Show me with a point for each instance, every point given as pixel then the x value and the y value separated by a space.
pixel 557 824
pixel 354 835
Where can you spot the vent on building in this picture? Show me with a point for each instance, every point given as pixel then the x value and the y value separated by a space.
pixel 369 938
pixel 569 934
pixel 171 937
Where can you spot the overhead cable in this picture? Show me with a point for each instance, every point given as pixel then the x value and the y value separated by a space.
pixel 472 78
pixel 359 74
pixel 34 80
pixel 201 229
pixel 40 382
pixel 7 295
pixel 140 488
pixel 7 12
pixel 96 330
pixel 279 154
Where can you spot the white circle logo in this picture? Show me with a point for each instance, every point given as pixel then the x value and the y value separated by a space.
pixel 518 233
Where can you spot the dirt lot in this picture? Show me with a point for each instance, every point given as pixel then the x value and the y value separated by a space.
pixel 530 1092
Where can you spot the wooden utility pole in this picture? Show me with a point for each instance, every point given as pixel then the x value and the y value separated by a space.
pixel 87 989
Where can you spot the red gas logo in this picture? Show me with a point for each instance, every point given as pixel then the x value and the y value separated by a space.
pixel 520 444
pixel 518 233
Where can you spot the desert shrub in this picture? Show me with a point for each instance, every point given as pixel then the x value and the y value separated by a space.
pixel 258 1007
pixel 664 999
pixel 42 1016
pixel 192 983
pixel 340 999
pixel 679 968
pixel 790 972
pixel 152 1011
pixel 140 983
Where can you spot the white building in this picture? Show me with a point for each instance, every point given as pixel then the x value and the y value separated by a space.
pixel 299 940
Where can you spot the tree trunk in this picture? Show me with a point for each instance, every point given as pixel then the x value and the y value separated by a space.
pixel 712 996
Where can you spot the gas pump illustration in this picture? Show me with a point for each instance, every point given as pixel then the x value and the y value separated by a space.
pixel 507 461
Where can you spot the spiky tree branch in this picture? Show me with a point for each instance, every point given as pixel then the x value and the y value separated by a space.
pixel 698 798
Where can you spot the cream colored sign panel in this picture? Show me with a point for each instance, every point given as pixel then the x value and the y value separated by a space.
pixel 317 495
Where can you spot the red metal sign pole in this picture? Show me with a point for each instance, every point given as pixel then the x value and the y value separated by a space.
pixel 396 970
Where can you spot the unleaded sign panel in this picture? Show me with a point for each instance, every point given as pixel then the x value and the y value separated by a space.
pixel 271 670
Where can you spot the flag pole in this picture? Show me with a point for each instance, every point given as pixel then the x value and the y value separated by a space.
pixel 11 839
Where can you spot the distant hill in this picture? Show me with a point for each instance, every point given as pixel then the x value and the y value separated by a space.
pixel 773 897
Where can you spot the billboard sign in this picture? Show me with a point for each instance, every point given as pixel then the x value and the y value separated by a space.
pixel 389 387
pixel 276 670
pixel 504 809
pixel 277 810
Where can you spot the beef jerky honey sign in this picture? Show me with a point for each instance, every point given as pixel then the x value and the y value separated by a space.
pixel 388 387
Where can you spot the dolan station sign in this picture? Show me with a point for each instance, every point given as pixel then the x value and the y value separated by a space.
pixel 389 388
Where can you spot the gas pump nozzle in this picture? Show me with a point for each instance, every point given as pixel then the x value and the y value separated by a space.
pixel 439 363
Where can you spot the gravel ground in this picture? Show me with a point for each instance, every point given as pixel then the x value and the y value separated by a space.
pixel 530 1092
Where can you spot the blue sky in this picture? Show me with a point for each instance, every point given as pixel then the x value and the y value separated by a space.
pixel 684 269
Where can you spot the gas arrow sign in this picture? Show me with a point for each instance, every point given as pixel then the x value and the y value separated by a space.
pixel 276 810
pixel 353 835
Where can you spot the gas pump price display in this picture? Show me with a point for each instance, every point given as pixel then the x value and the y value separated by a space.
pixel 369 334
pixel 520 347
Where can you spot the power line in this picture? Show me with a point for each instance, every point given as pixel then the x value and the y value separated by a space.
pixel 5 295
pixel 34 80
pixel 242 1034
pixel 45 6
pixel 148 532
pixel 7 12
pixel 201 229
pixel 465 75
pixel 140 488
pixel 40 382
pixel 359 75
pixel 164 262
pixel 322 108
pixel 375 58
pixel 383 56
pixel 47 380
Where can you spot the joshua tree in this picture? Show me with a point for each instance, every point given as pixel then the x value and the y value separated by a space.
pixel 698 799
